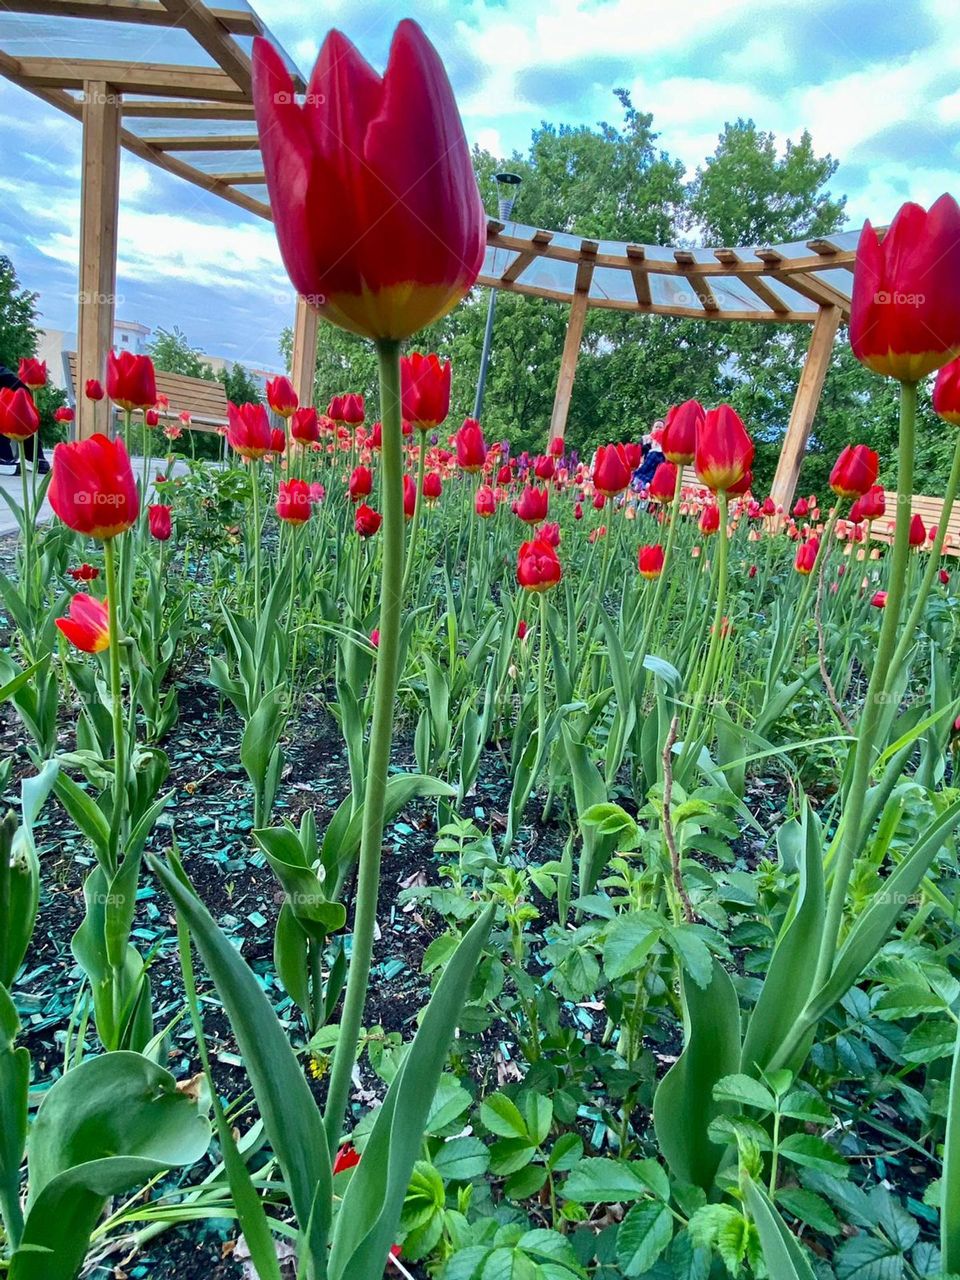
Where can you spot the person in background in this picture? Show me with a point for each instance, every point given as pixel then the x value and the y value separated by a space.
pixel 652 457
pixel 33 449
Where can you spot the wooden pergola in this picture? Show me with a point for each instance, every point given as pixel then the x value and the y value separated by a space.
pixel 192 115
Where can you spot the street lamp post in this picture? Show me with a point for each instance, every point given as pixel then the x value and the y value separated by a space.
pixel 507 184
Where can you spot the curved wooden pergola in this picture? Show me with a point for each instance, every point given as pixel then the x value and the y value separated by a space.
pixel 192 115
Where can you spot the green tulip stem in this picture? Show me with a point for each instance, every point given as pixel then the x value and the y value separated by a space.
pixel 653 609
pixel 381 736
pixel 116 704
pixel 864 747
pixel 803 600
pixel 417 506
pixel 705 684
pixel 29 517
pixel 255 481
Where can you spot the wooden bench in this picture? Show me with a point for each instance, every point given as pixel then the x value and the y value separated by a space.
pixel 205 401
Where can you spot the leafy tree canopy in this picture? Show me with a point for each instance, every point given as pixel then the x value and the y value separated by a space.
pixel 171 352
pixel 19 331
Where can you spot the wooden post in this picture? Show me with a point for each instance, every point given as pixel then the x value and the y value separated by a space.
pixel 303 363
pixel 568 365
pixel 805 404
pixel 99 209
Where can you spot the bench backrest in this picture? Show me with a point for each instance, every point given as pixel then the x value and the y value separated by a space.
pixel 205 401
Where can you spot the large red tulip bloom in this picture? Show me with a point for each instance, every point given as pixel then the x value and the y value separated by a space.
pixel 33 373
pixel 161 524
pixel 249 432
pixel 710 519
pixel 281 397
pixel 855 471
pixel 678 440
pixel 425 390
pixel 946 393
pixel 19 419
pixel 367 521
pixel 905 306
pixel 532 505
pixel 87 624
pixel 663 485
pixel 471 446
pixel 544 467
pixel 305 425
pixel 724 451
pixel 650 561
pixel 360 484
pixel 378 215
pixel 806 556
pixel 131 382
pixel 538 566
pixel 92 488
pixel 611 471
pixel 293 503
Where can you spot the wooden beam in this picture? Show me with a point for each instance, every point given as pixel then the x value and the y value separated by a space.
pixel 538 243
pixel 162 108
pixel 805 405
pixel 239 22
pixel 99 207
pixel 211 36
pixel 165 80
pixel 243 178
pixel 807 284
pixel 759 287
pixel 303 365
pixel 636 254
pixel 211 142
pixel 568 364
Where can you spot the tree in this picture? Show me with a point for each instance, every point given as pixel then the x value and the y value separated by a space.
pixel 240 385
pixel 172 353
pixel 19 332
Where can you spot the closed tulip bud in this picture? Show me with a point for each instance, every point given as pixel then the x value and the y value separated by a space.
pixel 249 432
pixel 432 486
pixel 131 382
pixel 93 389
pixel 538 567
pixel 768 507
pixel 522 630
pixel 360 484
pixel 485 503
pixel 741 486
pixel 161 525
pixel 425 390
pixel 611 471
pixel 19 419
pixel 92 488
pixel 87 624
pixel 549 533
pixel 578 511
pixel 63 414
pixel 544 467
pixel 305 425
pixel 873 504
pixel 293 504
pixel 505 474
pixel 650 561
pixel 532 505
pixel 367 521
pixel 879 599
pixel 281 397
pixel 404 238
pixel 944 577
pixel 855 471
pixel 806 556
pixel 634 455
pixel 376 436
pixel 905 304
pixel 599 502
pixel 33 373
pixel 724 451
pixel 918 532
pixel 946 393
pixel 663 486
pixel 801 508
pixel 348 409
pixel 752 571
pixel 278 440
pixel 678 440
pixel 151 418
pixel 555 448
pixel 409 497
pixel 471 447
pixel 710 519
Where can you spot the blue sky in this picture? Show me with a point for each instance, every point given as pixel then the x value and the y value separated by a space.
pixel 877 84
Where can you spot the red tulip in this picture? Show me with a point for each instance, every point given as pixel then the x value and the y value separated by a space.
pixel 349 409
pixel 360 484
pixel 663 486
pixel 375 641
pixel 555 448
pixel 905 305
pixel 946 393
pixel 471 447
pixel 485 503
pixel 801 508
pixel 549 533
pixel 879 599
pixel 249 432
pixel 63 413
pixel 131 383
pixel 634 455
pixel 522 630
pixel 538 567
pixel 281 397
pixel 578 511
pixel 741 487
pixel 724 450
pixel 611 471
pixel 806 556
pixel 93 389
pixel 599 502
pixel 710 519
pixel 305 425
pixel 347 1157
pixel 367 521
pixel 944 577
pixel 432 486
pixel 293 501
pixel 87 625
pixel 278 440
pixel 425 390
pixel 752 571
pixel 151 418
pixel 855 471
pixel 33 373
pixel 505 474
pixel 161 525
pixel 409 497
pixel 378 215
pixel 918 532
pixel 92 488
pixel 678 440
pixel 544 467
pixel 532 505
pixel 873 504
pixel 650 561
pixel 85 573
pixel 19 419
pixel 599 532
pixel 768 507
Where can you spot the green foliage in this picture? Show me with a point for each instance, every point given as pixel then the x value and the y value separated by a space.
pixel 19 330
pixel 171 352
pixel 240 385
